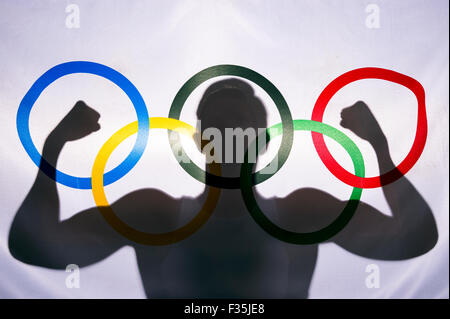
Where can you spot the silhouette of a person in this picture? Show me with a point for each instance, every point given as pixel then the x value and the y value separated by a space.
pixel 230 256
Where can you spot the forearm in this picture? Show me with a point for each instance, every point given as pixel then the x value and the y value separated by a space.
pixel 395 193
pixel 410 230
pixel 44 194
pixel 400 193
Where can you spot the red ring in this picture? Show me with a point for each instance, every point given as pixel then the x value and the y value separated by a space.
pixel 419 140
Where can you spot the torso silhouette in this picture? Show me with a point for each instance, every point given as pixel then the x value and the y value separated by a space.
pixel 229 256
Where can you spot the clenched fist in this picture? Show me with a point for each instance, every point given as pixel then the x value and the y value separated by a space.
pixel 359 119
pixel 78 123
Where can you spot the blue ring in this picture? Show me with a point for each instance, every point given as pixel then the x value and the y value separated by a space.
pixel 23 116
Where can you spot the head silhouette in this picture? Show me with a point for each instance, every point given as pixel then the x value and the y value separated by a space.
pixel 229 108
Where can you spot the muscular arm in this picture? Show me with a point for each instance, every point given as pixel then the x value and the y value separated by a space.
pixel 411 230
pixel 37 235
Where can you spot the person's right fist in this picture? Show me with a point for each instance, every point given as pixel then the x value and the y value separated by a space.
pixel 78 123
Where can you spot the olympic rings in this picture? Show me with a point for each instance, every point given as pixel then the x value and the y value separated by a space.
pixel 108 213
pixel 419 141
pixel 266 85
pixel 247 179
pixel 339 223
pixel 23 116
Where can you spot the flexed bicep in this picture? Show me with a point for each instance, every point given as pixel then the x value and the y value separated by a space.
pixel 37 235
pixel 411 229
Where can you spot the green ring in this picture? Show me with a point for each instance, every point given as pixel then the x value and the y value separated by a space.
pixel 234 70
pixel 339 223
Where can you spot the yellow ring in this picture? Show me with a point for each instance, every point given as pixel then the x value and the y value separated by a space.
pixel 108 213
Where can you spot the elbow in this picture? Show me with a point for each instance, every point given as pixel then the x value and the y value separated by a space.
pixel 24 247
pixel 430 231
pixel 34 249
pixel 423 238
pixel 16 248
pixel 19 247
